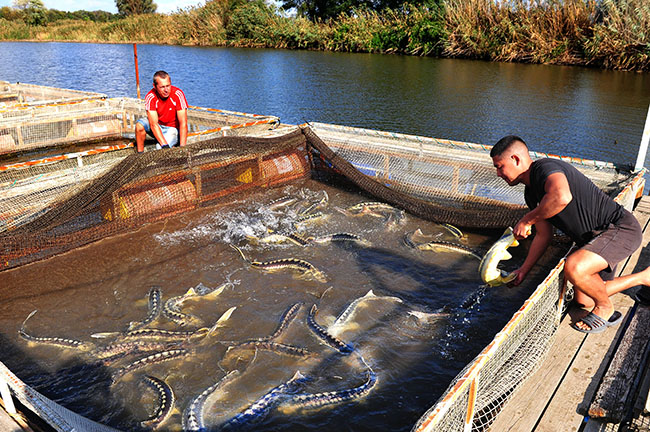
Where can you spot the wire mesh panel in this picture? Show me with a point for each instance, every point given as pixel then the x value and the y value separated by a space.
pixel 22 95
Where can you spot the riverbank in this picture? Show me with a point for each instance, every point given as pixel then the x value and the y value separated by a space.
pixel 608 34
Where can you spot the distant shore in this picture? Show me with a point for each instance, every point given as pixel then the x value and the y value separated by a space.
pixel 607 35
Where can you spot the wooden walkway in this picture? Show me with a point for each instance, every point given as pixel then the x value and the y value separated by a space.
pixel 558 396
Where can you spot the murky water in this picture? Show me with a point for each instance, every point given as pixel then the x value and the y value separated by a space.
pixel 430 316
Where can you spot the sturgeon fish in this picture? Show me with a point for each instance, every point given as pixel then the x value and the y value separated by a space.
pixel 276 238
pixel 453 230
pixel 339 237
pixel 343 318
pixel 116 351
pixel 166 401
pixel 316 400
pixel 285 263
pixel 263 405
pixel 282 202
pixel 323 334
pixel 287 318
pixel 56 341
pixel 172 307
pixel 488 270
pixel 371 206
pixel 308 218
pixel 193 414
pixel 159 357
pixel 410 239
pixel 266 345
pixel 155 307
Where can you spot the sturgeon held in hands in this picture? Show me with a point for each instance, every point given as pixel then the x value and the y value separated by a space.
pixel 166 401
pixel 56 341
pixel 488 270
pixel 285 263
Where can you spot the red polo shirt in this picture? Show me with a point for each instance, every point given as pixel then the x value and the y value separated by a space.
pixel 166 108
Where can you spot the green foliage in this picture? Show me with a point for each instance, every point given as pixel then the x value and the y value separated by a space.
pixel 249 21
pixel 33 11
pixel 135 7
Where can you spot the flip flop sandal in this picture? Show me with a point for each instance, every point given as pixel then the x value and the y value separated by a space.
pixel 598 324
pixel 642 297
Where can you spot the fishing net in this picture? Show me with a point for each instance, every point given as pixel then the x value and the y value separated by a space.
pixel 135 189
pixel 439 180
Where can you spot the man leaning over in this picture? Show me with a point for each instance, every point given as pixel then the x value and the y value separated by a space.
pixel 605 233
pixel 166 120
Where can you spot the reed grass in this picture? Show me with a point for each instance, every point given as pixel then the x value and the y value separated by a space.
pixel 603 33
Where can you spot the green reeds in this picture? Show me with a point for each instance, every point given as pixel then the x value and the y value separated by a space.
pixel 602 33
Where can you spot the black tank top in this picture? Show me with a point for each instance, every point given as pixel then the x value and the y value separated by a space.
pixel 590 209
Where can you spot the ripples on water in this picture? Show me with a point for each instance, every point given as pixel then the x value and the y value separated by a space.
pixel 415 346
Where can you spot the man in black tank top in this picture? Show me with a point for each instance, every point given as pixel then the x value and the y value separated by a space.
pixel 559 195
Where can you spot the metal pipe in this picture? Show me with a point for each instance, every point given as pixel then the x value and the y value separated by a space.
pixel 643 147
pixel 137 74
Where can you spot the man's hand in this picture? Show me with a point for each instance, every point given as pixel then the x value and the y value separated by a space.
pixel 522 230
pixel 519 278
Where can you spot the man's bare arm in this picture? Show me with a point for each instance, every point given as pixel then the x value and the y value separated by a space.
pixel 182 127
pixel 152 116
pixel 557 197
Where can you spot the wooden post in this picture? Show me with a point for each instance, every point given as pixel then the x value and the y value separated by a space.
pixel 6 397
pixel 137 74
pixel 643 147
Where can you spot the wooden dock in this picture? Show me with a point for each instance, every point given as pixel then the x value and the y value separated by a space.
pixel 587 382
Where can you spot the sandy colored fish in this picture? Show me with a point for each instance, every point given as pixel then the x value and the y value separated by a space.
pixel 56 341
pixel 156 358
pixel 454 231
pixel 282 202
pixel 488 270
pixel 345 316
pixel 415 239
pixel 166 401
pixel 193 414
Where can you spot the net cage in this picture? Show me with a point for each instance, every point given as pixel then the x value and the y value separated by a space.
pixel 38 126
pixel 54 204
pixel 19 95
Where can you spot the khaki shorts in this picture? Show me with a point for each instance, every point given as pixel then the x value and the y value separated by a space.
pixel 616 243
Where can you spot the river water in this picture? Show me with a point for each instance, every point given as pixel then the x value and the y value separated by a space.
pixel 414 345
pixel 572 111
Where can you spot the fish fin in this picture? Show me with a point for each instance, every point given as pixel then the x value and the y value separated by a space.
pixel 224 317
pixel 370 294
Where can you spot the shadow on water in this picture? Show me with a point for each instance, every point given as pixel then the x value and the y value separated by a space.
pixel 80 384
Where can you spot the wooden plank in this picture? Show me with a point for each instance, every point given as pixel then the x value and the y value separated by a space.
pixel 610 401
pixel 548 399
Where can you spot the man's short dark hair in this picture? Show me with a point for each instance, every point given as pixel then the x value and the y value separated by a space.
pixel 504 144
pixel 160 74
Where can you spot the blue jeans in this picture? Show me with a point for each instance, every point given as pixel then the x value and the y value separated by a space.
pixel 170 133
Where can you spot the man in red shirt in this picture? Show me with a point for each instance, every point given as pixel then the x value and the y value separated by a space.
pixel 166 115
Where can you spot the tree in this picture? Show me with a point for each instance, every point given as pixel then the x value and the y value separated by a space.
pixel 133 7
pixel 34 11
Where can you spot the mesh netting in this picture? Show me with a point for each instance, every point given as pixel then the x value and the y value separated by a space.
pixel 441 181
pixel 138 188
